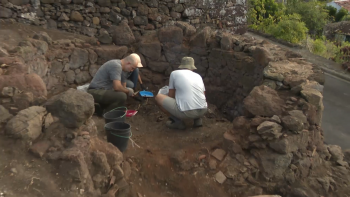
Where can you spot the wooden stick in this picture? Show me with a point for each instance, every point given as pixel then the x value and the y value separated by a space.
pixel 133 142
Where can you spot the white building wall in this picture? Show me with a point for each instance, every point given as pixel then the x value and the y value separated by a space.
pixel 338 7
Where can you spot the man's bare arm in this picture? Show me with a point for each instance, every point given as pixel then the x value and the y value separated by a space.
pixel 117 86
pixel 172 93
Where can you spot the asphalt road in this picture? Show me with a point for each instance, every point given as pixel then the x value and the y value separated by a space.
pixel 336 115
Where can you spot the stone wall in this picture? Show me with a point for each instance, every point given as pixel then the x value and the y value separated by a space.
pixel 100 18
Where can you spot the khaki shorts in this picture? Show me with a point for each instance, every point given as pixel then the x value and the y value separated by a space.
pixel 170 105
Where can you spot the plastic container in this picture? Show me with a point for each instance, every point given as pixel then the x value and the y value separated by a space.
pixel 146 94
pixel 116 115
pixel 118 133
pixel 131 113
pixel 164 90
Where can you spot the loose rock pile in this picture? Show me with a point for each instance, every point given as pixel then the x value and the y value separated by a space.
pixel 103 19
pixel 68 139
pixel 278 145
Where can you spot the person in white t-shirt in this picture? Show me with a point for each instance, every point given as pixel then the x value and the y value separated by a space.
pixel 186 98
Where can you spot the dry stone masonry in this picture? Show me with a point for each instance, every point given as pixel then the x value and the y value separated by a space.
pixel 106 19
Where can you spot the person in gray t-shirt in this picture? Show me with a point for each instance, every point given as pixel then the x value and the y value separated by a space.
pixel 108 86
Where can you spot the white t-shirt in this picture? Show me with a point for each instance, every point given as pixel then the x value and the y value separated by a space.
pixel 189 88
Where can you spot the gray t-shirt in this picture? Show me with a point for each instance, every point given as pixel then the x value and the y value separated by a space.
pixel 109 71
pixel 189 88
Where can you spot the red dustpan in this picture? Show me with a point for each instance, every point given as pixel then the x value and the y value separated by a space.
pixel 131 113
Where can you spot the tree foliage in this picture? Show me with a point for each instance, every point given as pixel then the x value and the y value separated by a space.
pixel 269 16
pixel 312 13
pixel 289 28
pixel 341 14
pixel 332 11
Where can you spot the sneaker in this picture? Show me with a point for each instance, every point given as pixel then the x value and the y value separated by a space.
pixel 197 122
pixel 176 125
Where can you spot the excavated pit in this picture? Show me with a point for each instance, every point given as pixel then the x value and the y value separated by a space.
pixel 274 145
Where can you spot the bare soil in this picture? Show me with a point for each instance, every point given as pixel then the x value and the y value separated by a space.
pixel 154 171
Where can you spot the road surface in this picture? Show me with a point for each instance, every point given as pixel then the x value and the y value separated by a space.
pixel 336 115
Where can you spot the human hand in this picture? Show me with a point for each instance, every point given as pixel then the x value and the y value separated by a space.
pixel 131 92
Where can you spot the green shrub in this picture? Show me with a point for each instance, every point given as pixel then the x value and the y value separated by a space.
pixel 319 47
pixel 346 18
pixel 289 28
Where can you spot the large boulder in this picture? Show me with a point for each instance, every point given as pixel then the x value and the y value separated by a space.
pixel 106 53
pixel 104 3
pixel 122 34
pixel 269 130
pixel 38 66
pixel 43 36
pixel 226 42
pixel 171 34
pixel 291 143
pixel 263 101
pixel 152 3
pixel 201 38
pixel 88 31
pixel 76 16
pixel 4 114
pixel 5 13
pixel 56 67
pixel 336 152
pixel 23 100
pixel 313 96
pixel 115 17
pixel 78 58
pixel 292 123
pixel 261 55
pixel 24 82
pixel 92 56
pixel 82 77
pixel 160 67
pixel 308 85
pixel 104 37
pixel 93 68
pixel 41 46
pixel 72 107
pixel 273 165
pixel 140 20
pixel 142 10
pixel 27 124
pixel 152 50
